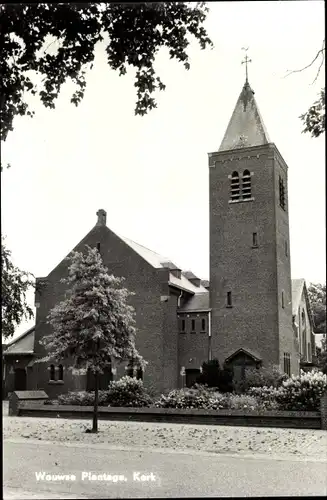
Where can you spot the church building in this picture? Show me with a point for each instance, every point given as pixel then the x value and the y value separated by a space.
pixel 243 316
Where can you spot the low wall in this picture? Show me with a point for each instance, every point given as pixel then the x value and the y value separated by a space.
pixel 288 419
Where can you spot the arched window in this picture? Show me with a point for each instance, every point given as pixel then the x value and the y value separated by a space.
pixel 52 372
pixel 235 187
pixel 60 372
pixel 246 185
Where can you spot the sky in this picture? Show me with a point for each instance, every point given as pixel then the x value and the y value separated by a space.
pixel 151 173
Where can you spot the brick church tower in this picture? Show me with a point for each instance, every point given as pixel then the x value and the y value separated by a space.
pixel 250 274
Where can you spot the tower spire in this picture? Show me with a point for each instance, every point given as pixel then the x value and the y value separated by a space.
pixel 246 61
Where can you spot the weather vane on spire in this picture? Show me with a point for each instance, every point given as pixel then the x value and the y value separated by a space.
pixel 246 61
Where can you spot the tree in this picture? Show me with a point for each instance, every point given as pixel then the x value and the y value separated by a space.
pixel 213 376
pixel 94 323
pixel 314 118
pixel 134 32
pixel 317 298
pixel 14 285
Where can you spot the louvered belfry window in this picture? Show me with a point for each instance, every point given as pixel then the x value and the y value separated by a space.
pixel 235 187
pixel 246 185
pixel 282 197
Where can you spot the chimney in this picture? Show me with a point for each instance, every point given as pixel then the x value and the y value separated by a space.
pixel 102 217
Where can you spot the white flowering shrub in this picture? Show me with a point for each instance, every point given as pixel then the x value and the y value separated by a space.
pixel 302 392
pixel 128 391
pixel 82 398
pixel 265 396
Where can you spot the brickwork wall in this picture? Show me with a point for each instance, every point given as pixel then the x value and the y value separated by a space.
pixel 249 273
pixel 287 339
pixel 192 347
pixel 141 278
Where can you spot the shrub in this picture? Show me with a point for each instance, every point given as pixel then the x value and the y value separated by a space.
pixel 213 376
pixel 128 391
pixel 243 401
pixel 263 377
pixel 265 396
pixel 302 392
pixel 184 398
pixel 82 398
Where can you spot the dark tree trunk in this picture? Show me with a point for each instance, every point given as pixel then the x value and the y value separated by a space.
pixel 96 402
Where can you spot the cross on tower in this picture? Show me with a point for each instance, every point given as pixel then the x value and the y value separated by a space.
pixel 246 61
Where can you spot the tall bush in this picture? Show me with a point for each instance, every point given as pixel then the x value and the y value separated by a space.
pixel 302 392
pixel 128 391
pixel 213 376
pixel 263 377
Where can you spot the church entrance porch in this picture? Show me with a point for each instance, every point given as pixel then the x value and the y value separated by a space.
pixel 241 361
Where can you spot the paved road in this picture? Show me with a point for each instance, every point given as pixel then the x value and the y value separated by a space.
pixel 165 473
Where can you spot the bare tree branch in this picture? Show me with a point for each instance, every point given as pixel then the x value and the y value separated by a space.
pixel 322 52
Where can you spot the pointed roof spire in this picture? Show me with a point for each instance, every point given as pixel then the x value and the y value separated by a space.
pixel 246 127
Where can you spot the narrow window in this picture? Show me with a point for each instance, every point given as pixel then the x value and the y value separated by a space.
pixel 254 239
pixel 98 247
pixel 235 187
pixel 282 200
pixel 229 299
pixel 283 300
pixel 60 372
pixel 286 248
pixel 52 372
pixel 203 325
pixel 287 363
pixel 246 185
pixel 183 325
pixel 193 325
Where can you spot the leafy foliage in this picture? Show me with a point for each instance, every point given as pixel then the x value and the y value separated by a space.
pixel 94 322
pixel 302 392
pixel 134 32
pixel 314 119
pixel 82 398
pixel 317 297
pixel 128 391
pixel 261 377
pixel 14 285
pixel 213 376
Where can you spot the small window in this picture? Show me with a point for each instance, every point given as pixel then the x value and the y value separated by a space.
pixel 229 299
pixel 286 248
pixel 254 239
pixel 282 198
pixel 98 247
pixel 235 187
pixel 182 326
pixel 60 372
pixel 52 372
pixel 246 185
pixel 193 325
pixel 283 300
pixel 203 325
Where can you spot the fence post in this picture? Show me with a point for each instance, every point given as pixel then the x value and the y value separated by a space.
pixel 323 411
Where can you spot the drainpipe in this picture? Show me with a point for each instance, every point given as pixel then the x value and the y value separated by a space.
pixel 179 299
pixel 209 336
